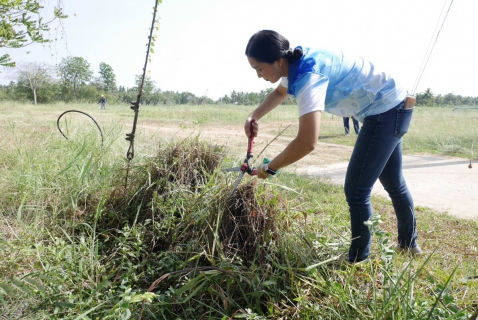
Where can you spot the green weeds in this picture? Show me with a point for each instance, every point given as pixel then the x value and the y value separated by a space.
pixel 76 244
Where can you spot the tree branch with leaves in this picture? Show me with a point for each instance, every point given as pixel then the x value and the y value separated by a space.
pixel 23 23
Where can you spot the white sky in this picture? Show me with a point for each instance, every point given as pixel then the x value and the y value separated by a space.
pixel 201 43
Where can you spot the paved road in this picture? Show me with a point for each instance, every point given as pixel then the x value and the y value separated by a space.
pixel 444 184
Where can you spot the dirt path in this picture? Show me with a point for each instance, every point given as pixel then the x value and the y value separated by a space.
pixel 234 138
pixel 443 184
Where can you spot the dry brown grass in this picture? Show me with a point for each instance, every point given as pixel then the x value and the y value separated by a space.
pixel 247 225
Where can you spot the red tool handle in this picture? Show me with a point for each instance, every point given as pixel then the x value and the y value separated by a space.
pixel 251 137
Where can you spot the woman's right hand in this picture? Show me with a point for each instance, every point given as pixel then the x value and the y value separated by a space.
pixel 247 127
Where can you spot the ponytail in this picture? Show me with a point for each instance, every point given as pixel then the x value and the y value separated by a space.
pixel 293 55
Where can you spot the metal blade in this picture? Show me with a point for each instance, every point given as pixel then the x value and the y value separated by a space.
pixel 237 183
pixel 236 169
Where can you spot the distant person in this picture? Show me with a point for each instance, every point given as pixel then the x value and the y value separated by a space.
pixel 346 125
pixel 103 103
pixel 323 80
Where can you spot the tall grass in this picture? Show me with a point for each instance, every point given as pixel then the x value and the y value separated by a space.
pixel 76 244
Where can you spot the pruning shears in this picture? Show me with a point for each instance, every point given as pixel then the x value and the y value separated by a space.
pixel 246 167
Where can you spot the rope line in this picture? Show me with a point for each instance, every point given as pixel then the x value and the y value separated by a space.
pixel 86 114
pixel 429 51
pixel 430 44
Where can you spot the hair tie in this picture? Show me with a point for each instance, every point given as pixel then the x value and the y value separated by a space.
pixel 293 54
pixel 297 54
pixel 287 54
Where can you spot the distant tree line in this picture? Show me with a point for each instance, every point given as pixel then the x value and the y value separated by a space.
pixel 428 98
pixel 250 98
pixel 73 81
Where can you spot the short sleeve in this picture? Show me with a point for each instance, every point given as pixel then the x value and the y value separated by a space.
pixel 310 89
pixel 284 82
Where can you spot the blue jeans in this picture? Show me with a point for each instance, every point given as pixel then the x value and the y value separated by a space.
pixel 378 155
pixel 355 122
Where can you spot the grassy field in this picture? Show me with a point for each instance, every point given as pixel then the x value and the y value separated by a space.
pixel 439 131
pixel 77 244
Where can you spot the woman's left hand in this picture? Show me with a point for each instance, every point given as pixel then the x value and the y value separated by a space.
pixel 261 171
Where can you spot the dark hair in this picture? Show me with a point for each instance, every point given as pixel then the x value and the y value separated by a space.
pixel 269 46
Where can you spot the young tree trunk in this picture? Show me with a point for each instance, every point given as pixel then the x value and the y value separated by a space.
pixel 32 87
pixel 75 88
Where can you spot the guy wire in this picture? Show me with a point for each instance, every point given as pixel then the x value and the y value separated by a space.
pixel 429 51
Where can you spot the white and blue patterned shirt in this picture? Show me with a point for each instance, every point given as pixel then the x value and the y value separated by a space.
pixel 327 80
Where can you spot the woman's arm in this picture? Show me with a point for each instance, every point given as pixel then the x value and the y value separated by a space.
pixel 302 145
pixel 274 99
